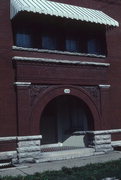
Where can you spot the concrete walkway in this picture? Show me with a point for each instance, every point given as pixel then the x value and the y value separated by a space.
pixel 28 169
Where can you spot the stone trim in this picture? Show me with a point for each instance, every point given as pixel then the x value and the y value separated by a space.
pixel 3 165
pixel 116 143
pixel 26 138
pixel 9 155
pixel 45 60
pixel 22 138
pixel 12 138
pixel 29 148
pixel 104 85
pixel 32 143
pixel 22 83
pixel 98 132
pixel 79 132
pixel 57 52
pixel 101 140
pixel 105 131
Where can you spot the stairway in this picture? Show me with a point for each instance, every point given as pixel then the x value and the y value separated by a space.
pixel 65 154
pixel 5 164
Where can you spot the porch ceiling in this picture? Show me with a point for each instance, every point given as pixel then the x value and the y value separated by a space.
pixel 61 10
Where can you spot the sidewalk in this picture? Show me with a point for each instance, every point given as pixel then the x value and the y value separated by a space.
pixel 29 169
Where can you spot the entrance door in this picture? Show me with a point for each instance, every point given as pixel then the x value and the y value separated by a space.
pixel 62 117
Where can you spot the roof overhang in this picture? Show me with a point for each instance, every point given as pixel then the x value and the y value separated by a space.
pixel 61 10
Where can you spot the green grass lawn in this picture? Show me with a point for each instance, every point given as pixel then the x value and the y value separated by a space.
pixel 89 172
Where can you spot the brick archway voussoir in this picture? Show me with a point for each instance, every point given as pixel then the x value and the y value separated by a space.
pixel 55 91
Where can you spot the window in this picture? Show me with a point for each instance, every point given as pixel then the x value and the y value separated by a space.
pixel 94 47
pixel 49 42
pixel 72 45
pixel 23 40
pixel 91 46
pixel 70 37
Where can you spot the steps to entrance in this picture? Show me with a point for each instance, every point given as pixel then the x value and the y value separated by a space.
pixel 58 148
pixel 65 154
pixel 5 163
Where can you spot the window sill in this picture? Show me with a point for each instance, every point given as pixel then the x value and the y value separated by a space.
pixel 57 52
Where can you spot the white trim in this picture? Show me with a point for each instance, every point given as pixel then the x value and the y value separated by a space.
pixel 104 85
pixel 111 131
pixel 79 133
pixel 18 58
pixel 61 10
pixel 12 138
pixel 57 52
pixel 5 164
pixel 22 83
pixel 28 149
pixel 26 138
pixel 8 155
pixel 115 130
pixel 21 138
pixel 116 143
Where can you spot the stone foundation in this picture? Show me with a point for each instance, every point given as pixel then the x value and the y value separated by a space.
pixel 102 142
pixel 10 156
pixel 29 147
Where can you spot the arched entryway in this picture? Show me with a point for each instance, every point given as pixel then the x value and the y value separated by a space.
pixel 62 117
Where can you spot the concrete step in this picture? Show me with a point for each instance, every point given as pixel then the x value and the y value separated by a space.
pixel 65 154
pixel 4 165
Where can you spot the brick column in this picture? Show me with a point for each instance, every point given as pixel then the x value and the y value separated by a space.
pixel 23 105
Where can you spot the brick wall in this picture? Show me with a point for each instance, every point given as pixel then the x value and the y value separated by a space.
pixel 8 120
pixel 111 111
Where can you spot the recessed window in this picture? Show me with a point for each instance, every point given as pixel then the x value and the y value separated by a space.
pixel 72 45
pixel 49 42
pixel 94 47
pixel 73 37
pixel 23 40
pixel 91 46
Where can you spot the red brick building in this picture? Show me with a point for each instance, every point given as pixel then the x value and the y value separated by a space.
pixel 60 75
